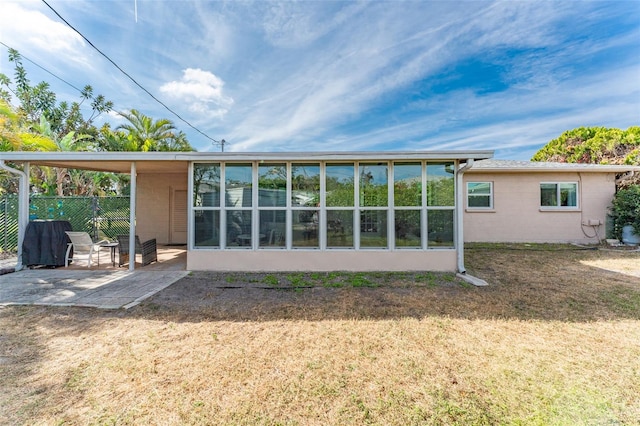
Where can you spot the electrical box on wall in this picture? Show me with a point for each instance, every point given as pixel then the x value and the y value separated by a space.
pixel 592 222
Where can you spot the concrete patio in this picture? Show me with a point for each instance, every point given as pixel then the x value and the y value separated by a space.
pixel 105 286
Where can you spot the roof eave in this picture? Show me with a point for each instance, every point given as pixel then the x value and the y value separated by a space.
pixel 24 156
pixel 603 169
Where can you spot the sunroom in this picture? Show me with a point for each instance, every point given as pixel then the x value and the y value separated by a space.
pixel 341 211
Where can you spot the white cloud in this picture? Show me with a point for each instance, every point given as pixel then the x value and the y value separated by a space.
pixel 296 24
pixel 35 31
pixel 201 91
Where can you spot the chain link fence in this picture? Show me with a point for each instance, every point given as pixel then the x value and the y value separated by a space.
pixel 101 217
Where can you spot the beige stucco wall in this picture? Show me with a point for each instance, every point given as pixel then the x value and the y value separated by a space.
pixel 517 217
pixel 331 260
pixel 153 202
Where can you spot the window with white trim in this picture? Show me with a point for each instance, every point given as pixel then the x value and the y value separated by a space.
pixel 559 195
pixel 480 195
pixel 323 205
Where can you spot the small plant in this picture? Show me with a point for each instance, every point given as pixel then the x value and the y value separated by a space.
pixel 360 280
pixel 625 210
pixel 296 280
pixel 271 280
pixel 428 278
pixel 317 276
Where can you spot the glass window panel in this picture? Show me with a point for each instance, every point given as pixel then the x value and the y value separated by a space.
pixel 339 228
pixel 373 185
pixel 238 182
pixel 305 228
pixel 373 228
pixel 568 195
pixel 273 226
pixel 407 182
pixel 479 201
pixel 440 228
pixel 207 228
pixel 305 185
pixel 340 185
pixel 548 195
pixel 238 228
pixel 479 188
pixel 440 184
pixel 479 194
pixel 206 185
pixel 272 180
pixel 407 226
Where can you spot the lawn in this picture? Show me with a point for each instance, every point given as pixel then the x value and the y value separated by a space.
pixel 554 339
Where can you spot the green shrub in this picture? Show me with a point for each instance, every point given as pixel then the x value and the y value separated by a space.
pixel 626 210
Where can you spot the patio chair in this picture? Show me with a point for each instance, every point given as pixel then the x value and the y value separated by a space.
pixel 148 250
pixel 82 244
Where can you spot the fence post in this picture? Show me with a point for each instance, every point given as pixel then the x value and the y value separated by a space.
pixel 5 243
pixel 94 219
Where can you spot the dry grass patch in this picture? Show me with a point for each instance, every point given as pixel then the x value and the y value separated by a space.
pixel 551 341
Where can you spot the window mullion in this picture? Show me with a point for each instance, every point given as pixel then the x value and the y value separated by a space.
pixel 391 235
pixel 322 212
pixel 423 209
pixel 356 206
pixel 288 211
pixel 223 206
pixel 255 208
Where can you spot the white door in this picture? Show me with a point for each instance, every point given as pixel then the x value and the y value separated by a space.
pixel 178 221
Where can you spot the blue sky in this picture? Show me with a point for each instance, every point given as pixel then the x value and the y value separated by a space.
pixel 346 76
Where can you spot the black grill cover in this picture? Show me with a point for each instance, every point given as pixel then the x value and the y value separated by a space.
pixel 45 242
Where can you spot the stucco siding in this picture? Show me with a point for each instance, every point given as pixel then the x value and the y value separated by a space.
pixel 517 216
pixel 154 203
pixel 331 260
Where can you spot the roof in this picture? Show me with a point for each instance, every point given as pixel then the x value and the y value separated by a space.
pixel 171 162
pixel 516 166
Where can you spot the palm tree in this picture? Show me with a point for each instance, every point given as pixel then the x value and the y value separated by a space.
pixel 144 134
pixel 69 142
pixel 178 143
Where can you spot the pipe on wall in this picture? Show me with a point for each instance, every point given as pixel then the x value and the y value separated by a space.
pixel 460 214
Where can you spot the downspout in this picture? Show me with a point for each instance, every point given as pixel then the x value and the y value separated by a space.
pixel 460 215
pixel 23 206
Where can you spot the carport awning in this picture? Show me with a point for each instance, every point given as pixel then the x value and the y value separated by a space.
pixel 101 161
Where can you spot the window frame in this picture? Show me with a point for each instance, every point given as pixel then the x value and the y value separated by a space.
pixel 418 208
pixel 355 212
pixel 558 196
pixel 490 195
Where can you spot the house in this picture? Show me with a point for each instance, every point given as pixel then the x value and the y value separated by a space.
pixel 354 211
pixel 539 202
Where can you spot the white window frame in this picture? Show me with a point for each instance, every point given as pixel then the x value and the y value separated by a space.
pixel 558 196
pixel 490 195
pixel 356 209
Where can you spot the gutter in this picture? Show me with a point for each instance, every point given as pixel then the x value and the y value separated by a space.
pixel 23 207
pixel 462 272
